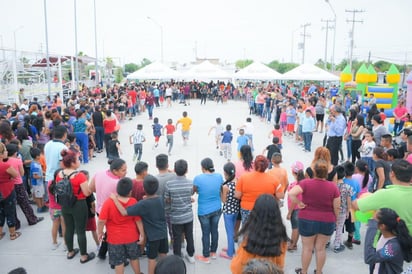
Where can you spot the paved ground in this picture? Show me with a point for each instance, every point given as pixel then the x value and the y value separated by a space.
pixel 33 249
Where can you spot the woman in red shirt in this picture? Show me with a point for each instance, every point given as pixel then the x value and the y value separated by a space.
pixel 7 196
pixel 75 217
pixel 109 126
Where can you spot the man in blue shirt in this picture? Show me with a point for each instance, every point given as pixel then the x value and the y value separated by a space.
pixel 52 151
pixel 336 129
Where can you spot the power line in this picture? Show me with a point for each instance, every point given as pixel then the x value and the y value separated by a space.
pixel 352 41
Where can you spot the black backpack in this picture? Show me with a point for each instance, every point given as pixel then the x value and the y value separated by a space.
pixel 63 191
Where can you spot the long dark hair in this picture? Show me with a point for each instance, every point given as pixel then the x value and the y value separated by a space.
pixel 362 166
pixel 246 154
pixel 264 230
pixel 230 169
pixel 397 226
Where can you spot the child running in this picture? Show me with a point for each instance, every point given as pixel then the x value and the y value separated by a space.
pixel 241 140
pixel 227 138
pixel 218 132
pixel 277 132
pixel 186 123
pixel 137 139
pixel 170 129
pixel 157 131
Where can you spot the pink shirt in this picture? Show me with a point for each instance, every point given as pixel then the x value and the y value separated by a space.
pixel 16 163
pixel 106 183
pixel 52 200
pixel 283 117
pixel 240 169
pixel 299 196
pixel 400 111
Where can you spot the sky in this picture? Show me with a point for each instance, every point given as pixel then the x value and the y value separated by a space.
pixel 261 30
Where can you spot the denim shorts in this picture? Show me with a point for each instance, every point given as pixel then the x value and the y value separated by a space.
pixel 294 220
pixel 308 228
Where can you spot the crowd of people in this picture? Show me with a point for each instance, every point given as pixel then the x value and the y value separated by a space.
pixel 44 146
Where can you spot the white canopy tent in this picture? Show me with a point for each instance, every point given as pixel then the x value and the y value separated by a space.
pixel 257 71
pixel 206 71
pixel 154 71
pixel 309 72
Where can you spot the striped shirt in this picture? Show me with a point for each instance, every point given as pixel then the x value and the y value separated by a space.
pixel 138 137
pixel 179 192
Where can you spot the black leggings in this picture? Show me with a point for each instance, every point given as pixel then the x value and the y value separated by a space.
pixel 356 144
pixel 75 219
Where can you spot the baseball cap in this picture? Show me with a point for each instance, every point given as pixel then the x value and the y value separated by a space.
pixel 297 166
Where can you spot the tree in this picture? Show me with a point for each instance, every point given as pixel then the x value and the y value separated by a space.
pixel 145 62
pixel 282 67
pixel 243 63
pixel 118 75
pixel 131 67
pixel 381 66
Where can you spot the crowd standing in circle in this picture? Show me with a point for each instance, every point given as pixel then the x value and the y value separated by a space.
pixel 92 119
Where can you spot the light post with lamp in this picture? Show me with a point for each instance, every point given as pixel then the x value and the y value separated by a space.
pixel 334 35
pixel 16 84
pixel 161 37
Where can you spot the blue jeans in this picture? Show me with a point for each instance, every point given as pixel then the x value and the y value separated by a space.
pixel 150 110
pixel 230 221
pixel 398 127
pixel 209 224
pixel 349 147
pixel 307 139
pixel 99 136
pixel 82 139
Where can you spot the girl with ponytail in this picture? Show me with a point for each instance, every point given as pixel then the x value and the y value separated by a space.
pixel 231 208
pixel 394 245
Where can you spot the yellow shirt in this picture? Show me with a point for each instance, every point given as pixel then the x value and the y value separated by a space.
pixel 186 123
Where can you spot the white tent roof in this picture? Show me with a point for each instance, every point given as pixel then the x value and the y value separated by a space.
pixel 309 72
pixel 257 71
pixel 206 71
pixel 154 71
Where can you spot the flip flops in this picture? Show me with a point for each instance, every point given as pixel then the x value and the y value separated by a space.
pixel 75 251
pixel 90 257
pixel 15 235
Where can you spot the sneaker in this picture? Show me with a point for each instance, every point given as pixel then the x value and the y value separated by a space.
pixel 55 246
pixel 356 242
pixel 339 249
pixel 223 254
pixel 213 255
pixel 190 259
pixel 348 244
pixel 202 259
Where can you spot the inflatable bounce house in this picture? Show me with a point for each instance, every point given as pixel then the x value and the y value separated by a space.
pixel 366 83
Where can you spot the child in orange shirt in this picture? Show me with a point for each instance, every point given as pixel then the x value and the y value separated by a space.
pixel 277 132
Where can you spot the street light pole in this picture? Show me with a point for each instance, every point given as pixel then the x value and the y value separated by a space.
pixel 76 73
pixel 16 85
pixel 334 35
pixel 161 37
pixel 96 65
pixel 47 48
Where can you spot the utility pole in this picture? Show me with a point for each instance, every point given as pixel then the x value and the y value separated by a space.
pixel 304 40
pixel 369 58
pixel 327 27
pixel 352 40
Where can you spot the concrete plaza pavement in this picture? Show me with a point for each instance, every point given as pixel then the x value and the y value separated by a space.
pixel 33 249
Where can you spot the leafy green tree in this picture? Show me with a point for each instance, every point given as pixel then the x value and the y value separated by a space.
pixel 118 75
pixel 282 67
pixel 382 66
pixel 145 62
pixel 131 67
pixel 243 63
